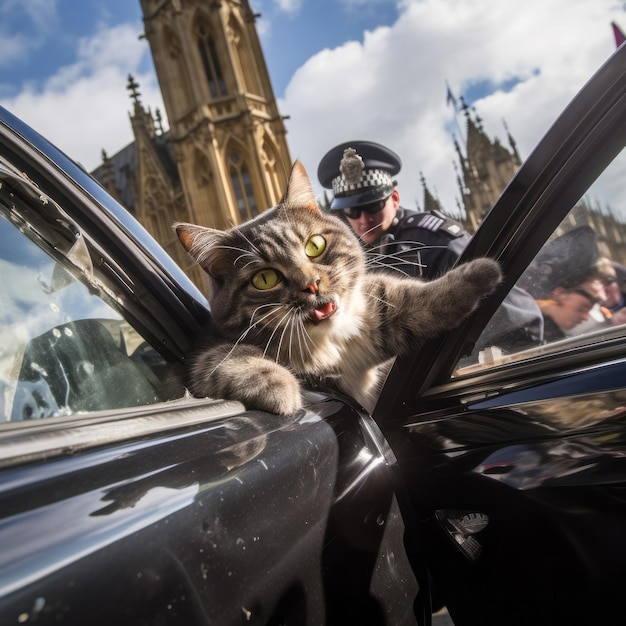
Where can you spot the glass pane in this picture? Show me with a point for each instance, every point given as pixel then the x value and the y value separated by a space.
pixel 64 350
pixel 575 287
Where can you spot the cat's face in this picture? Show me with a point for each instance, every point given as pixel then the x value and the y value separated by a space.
pixel 285 279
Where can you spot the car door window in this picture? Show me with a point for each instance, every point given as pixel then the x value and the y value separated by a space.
pixel 573 293
pixel 64 349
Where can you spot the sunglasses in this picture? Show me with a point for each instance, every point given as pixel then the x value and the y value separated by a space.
pixel 354 212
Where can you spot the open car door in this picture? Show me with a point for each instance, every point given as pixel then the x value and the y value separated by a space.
pixel 515 460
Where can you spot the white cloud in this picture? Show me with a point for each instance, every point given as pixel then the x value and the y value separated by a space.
pixel 15 47
pixel 390 87
pixel 81 107
pixel 12 48
pixel 289 6
pixel 42 13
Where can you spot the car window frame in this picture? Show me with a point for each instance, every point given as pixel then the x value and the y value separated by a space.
pixel 573 153
pixel 148 289
pixel 169 309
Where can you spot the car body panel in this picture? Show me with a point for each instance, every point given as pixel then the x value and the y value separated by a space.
pixel 211 519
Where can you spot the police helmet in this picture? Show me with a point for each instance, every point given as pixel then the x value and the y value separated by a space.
pixel 359 173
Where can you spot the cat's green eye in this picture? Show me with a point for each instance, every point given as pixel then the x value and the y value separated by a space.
pixel 266 279
pixel 315 245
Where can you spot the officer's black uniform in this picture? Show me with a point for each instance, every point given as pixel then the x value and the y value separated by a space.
pixel 425 244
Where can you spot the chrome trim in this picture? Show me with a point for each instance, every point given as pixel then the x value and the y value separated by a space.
pixel 22 442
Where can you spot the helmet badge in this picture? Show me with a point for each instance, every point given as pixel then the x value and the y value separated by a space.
pixel 351 166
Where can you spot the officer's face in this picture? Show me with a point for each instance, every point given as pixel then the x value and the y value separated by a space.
pixel 370 227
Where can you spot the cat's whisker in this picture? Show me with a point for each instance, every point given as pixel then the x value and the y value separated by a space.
pixel 242 234
pixel 372 229
pixel 381 300
pixel 393 260
pixel 201 255
pixel 303 336
pixel 262 319
pixel 277 306
pixel 374 264
pixel 243 256
pixel 290 343
pixel 294 324
pixel 244 334
pixel 244 253
pixel 417 245
pixel 288 324
pixel 269 341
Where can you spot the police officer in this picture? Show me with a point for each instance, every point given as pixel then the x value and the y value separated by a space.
pixel 360 173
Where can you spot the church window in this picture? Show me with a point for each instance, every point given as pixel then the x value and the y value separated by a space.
pixel 242 58
pixel 210 61
pixel 242 187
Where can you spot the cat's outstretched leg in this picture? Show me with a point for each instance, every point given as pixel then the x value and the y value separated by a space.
pixel 417 311
pixel 242 373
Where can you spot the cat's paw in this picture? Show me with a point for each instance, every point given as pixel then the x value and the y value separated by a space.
pixel 242 375
pixel 271 388
pixel 484 273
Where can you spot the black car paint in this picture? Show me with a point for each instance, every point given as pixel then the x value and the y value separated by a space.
pixel 248 518
pixel 538 446
pixel 200 512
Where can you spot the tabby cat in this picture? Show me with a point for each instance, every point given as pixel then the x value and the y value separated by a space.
pixel 290 295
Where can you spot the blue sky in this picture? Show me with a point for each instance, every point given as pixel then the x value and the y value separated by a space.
pixel 48 33
pixel 341 69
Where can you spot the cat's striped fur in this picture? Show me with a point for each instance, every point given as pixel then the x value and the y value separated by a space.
pixel 326 315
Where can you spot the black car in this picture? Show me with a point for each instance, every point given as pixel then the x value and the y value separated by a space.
pixel 490 479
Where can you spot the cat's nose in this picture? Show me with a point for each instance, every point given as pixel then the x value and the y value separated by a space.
pixel 313 286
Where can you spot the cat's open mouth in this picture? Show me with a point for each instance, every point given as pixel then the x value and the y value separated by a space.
pixel 324 311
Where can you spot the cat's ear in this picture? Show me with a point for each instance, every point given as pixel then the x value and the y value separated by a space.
pixel 206 245
pixel 299 190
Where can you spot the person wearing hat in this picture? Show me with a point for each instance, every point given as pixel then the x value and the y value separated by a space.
pixel 565 281
pixel 360 174
pixel 419 244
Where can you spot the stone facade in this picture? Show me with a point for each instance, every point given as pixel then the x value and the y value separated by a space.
pixel 485 167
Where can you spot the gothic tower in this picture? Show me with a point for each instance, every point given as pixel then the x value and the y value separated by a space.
pixel 227 135
pixel 225 156
pixel 486 169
